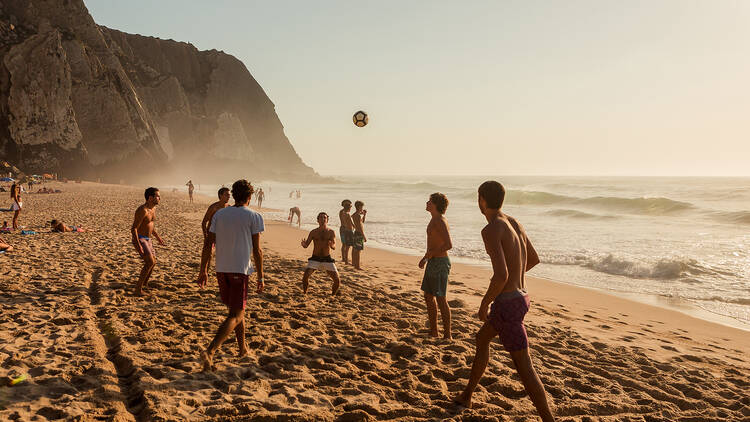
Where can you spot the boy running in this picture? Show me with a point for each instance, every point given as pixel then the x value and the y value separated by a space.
pixel 346 230
pixel 324 239
pixel 142 231
pixel 435 280
pixel 236 233
pixel 512 255
pixel 359 238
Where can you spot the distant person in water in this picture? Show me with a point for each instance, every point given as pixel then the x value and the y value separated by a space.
pixel 59 227
pixel 191 188
pixel 236 233
pixel 346 230
pixel 512 254
pixel 324 240
pixel 295 211
pixel 5 246
pixel 17 204
pixel 142 231
pixel 435 280
pixel 261 197
pixel 358 238
pixel 223 202
pixel 290 194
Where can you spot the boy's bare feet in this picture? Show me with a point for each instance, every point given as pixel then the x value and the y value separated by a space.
pixel 462 400
pixel 207 361
pixel 243 351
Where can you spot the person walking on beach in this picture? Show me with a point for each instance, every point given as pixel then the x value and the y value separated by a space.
pixel 295 211
pixel 191 188
pixel 223 202
pixel 236 233
pixel 324 240
pixel 512 254
pixel 435 280
pixel 359 238
pixel 142 231
pixel 346 230
pixel 261 197
pixel 17 204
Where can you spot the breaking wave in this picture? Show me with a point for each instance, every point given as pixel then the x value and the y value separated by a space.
pixel 663 269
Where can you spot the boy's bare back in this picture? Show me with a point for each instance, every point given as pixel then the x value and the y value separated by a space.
pixel 507 244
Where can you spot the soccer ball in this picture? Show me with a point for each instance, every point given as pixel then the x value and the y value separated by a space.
pixel 360 118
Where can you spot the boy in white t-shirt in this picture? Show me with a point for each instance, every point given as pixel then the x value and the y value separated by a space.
pixel 236 232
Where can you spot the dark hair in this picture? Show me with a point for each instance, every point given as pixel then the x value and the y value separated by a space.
pixel 346 201
pixel 242 190
pixel 359 204
pixel 440 201
pixel 322 213
pixel 150 192
pixel 493 193
pixel 222 190
pixel 53 222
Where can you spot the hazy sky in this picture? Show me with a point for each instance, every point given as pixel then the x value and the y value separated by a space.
pixel 486 87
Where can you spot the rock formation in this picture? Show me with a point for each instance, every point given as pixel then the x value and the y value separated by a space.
pixel 81 99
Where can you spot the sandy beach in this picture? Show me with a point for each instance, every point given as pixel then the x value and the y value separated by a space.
pixel 75 344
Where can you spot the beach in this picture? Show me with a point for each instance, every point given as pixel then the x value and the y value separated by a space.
pixel 76 344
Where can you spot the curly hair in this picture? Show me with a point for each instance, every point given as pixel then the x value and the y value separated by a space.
pixel 440 201
pixel 242 190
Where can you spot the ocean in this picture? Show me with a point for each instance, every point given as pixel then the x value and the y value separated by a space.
pixel 682 243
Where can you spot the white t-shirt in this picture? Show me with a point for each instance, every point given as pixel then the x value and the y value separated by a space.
pixel 234 228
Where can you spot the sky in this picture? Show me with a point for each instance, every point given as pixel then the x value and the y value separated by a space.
pixel 599 87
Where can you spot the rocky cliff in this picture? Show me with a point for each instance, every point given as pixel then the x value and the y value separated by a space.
pixel 81 99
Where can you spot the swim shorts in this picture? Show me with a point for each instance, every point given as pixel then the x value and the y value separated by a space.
pixel 347 236
pixel 435 280
pixel 147 245
pixel 233 289
pixel 506 316
pixel 324 263
pixel 358 241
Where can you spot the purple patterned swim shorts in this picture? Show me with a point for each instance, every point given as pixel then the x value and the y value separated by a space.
pixel 506 316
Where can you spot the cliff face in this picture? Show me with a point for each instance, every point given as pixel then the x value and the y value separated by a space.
pixel 81 99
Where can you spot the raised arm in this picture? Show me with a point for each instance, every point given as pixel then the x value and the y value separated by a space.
pixel 332 240
pixel 306 243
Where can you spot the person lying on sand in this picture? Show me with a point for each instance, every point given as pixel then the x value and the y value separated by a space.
pixel 142 231
pixel 58 227
pixel 324 240
pixel 295 211
pixel 359 239
pixel 346 230
pixel 512 254
pixel 5 246
pixel 236 233
pixel 223 202
pixel 435 280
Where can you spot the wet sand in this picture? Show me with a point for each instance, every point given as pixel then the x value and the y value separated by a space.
pixel 90 350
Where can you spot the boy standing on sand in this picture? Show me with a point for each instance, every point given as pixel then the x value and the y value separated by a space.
pixel 190 186
pixel 236 232
pixel 359 238
pixel 512 255
pixel 142 231
pixel 324 239
pixel 435 280
pixel 223 202
pixel 346 230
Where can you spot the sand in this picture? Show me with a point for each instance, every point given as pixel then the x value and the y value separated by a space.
pixel 90 350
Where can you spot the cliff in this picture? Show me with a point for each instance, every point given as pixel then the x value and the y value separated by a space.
pixel 81 99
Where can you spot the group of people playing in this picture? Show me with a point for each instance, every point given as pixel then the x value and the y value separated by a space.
pixel 234 232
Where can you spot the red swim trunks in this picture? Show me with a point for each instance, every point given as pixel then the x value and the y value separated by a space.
pixel 506 316
pixel 233 289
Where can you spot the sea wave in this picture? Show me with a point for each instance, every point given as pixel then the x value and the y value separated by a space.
pixel 732 300
pixel 735 217
pixel 663 269
pixel 577 214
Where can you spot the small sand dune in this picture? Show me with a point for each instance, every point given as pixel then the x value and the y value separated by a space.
pixel 92 351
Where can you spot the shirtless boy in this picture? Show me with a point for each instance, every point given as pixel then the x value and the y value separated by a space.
pixel 359 238
pixel 261 197
pixel 435 280
pixel 142 231
pixel 295 211
pixel 191 188
pixel 346 230
pixel 223 202
pixel 512 254
pixel 323 239
pixel 60 227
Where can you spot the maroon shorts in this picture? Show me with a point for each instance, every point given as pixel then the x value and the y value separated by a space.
pixel 506 316
pixel 233 289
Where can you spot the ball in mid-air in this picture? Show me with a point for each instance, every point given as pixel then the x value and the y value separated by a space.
pixel 360 118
